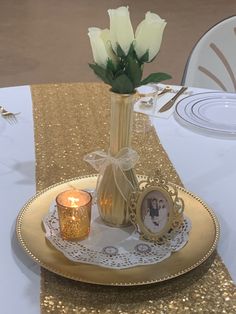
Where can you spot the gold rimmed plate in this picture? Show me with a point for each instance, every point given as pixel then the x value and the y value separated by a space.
pixel 31 236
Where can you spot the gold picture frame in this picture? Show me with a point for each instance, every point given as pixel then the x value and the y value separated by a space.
pixel 155 209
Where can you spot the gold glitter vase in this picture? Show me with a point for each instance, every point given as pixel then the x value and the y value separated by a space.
pixel 112 205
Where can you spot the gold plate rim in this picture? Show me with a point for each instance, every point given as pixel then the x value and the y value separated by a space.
pixel 51 268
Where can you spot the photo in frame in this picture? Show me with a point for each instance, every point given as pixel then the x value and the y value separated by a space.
pixel 156 210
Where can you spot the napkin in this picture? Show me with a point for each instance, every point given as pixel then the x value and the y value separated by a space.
pixel 153 110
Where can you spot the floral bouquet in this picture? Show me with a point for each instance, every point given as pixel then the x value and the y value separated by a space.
pixel 119 54
pixel 119 57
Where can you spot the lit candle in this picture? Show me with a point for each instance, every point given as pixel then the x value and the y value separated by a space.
pixel 74 212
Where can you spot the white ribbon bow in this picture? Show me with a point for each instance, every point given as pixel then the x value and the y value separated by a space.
pixel 125 160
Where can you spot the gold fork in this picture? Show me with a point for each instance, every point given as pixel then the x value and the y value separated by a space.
pixel 10 117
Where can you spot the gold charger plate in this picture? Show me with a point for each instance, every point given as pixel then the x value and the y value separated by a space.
pixel 202 242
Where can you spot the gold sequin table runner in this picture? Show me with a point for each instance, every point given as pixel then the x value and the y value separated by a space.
pixel 70 121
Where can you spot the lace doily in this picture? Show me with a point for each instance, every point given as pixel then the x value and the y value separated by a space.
pixel 113 247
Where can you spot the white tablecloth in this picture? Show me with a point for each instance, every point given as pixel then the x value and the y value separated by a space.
pixel 205 165
pixel 19 275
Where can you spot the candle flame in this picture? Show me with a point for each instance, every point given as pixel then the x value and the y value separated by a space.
pixel 73 201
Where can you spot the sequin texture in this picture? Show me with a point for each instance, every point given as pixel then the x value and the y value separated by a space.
pixel 72 120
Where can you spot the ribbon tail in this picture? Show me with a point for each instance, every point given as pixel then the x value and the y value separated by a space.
pixel 98 185
pixel 124 185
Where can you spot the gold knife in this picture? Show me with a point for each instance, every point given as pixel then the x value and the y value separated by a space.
pixel 171 102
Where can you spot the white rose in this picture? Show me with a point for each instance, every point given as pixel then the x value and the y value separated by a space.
pixel 101 46
pixel 121 28
pixel 148 35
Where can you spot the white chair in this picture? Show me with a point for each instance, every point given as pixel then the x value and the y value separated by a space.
pixel 212 63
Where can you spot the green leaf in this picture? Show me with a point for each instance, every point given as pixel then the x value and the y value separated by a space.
pixel 120 51
pixel 118 73
pixel 144 57
pixel 155 78
pixel 122 85
pixel 101 73
pixel 110 71
pixel 131 51
pixel 110 66
pixel 133 71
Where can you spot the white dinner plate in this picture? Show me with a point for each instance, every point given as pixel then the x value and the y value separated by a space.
pixel 213 112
